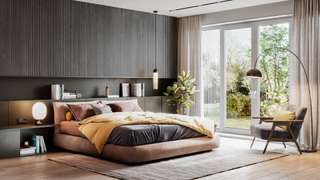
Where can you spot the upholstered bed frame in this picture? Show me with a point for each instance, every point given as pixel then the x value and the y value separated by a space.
pixel 138 154
pixel 135 154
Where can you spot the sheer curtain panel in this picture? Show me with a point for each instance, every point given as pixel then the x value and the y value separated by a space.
pixel 189 55
pixel 306 45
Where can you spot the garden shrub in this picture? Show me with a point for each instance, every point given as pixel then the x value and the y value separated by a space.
pixel 238 105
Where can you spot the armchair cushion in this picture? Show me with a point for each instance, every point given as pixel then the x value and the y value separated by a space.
pixel 262 131
pixel 284 115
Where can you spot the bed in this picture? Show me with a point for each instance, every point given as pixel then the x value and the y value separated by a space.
pixel 131 144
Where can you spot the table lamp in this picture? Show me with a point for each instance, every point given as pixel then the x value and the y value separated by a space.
pixel 39 112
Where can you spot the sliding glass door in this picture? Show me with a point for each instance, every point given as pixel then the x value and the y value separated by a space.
pixel 238 60
pixel 228 52
pixel 274 65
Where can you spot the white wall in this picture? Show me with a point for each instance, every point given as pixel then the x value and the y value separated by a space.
pixel 274 9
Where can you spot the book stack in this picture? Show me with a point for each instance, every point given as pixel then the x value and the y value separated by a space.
pixel 27 151
pixel 69 94
pixel 38 142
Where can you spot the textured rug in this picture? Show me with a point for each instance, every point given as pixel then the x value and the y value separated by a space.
pixel 184 167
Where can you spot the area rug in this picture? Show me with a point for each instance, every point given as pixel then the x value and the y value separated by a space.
pixel 180 168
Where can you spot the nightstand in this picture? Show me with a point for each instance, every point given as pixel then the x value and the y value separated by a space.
pixel 12 138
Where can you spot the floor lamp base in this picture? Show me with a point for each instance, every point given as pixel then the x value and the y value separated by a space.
pixel 309 150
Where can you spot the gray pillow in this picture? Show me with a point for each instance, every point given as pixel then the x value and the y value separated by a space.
pixel 102 110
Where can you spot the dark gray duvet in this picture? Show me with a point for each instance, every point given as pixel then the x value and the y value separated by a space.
pixel 139 134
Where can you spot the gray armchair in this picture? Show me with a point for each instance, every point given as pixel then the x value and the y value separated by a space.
pixel 271 132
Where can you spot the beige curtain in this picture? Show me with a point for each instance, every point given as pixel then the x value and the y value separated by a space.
pixel 189 55
pixel 306 45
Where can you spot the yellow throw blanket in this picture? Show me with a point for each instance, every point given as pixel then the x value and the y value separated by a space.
pixel 98 128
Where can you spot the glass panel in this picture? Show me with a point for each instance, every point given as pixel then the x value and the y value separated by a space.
pixel 211 74
pixel 238 55
pixel 274 65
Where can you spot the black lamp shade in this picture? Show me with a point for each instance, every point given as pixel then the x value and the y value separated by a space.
pixel 254 73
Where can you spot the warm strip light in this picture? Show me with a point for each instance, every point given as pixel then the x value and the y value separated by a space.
pixel 200 5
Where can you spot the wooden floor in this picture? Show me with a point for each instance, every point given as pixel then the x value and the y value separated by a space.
pixel 295 166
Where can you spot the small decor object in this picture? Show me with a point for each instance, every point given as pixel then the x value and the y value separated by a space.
pixel 39 112
pixel 69 94
pixel 79 96
pixel 27 150
pixel 57 91
pixel 39 144
pixel 35 141
pixel 181 92
pixel 137 89
pixel 125 91
pixel 25 144
pixel 107 91
pixel 22 121
pixel 113 96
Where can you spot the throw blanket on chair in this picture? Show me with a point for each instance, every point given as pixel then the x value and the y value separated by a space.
pixel 98 128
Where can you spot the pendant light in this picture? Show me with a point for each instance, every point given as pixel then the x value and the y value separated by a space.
pixel 155 75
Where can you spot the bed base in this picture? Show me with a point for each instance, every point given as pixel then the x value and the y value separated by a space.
pixel 138 154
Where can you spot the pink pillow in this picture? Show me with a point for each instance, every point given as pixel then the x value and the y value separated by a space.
pixel 125 107
pixel 82 111
pixel 61 109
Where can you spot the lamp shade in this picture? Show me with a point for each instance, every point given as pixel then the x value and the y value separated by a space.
pixel 39 111
pixel 254 73
pixel 155 79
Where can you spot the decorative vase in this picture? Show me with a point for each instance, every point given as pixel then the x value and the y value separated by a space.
pixel 182 109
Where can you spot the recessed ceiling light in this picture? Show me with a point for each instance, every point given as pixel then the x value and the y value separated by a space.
pixel 200 5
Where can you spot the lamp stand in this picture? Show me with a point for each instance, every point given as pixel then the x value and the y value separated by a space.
pixel 39 122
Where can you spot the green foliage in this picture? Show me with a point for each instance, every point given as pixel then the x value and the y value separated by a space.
pixel 238 60
pixel 238 105
pixel 182 91
pixel 274 65
pixel 277 100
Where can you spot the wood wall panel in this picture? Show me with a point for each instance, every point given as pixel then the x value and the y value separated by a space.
pixel 65 38
pixel 153 104
pixel 62 28
pixel 4 109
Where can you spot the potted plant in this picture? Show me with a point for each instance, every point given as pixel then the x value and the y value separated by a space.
pixel 181 92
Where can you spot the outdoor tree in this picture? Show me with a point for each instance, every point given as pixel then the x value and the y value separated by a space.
pixel 274 65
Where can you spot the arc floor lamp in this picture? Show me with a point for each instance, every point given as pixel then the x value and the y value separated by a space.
pixel 256 73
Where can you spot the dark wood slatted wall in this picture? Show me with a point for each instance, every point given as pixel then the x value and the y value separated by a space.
pixel 64 38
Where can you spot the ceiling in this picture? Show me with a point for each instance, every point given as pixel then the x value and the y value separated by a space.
pixel 163 6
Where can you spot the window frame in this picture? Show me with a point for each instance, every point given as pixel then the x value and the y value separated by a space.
pixel 255 46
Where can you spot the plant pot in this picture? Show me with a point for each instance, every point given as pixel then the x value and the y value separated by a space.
pixel 182 109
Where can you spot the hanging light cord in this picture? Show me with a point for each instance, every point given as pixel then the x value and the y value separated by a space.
pixel 155 38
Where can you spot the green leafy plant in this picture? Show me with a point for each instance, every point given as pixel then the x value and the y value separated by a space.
pixel 238 105
pixel 182 91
